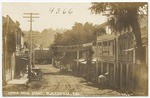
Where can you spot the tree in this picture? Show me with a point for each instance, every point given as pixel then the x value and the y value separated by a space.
pixel 79 34
pixel 100 31
pixel 125 15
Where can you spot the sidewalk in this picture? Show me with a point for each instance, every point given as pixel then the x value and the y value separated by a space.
pixel 22 80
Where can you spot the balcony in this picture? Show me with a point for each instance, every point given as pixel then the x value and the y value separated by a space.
pixel 125 58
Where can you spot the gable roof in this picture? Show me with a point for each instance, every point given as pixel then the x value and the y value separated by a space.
pixel 7 22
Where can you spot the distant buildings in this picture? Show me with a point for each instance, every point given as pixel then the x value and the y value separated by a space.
pixel 43 55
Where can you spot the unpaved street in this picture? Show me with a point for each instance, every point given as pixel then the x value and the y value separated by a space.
pixel 55 83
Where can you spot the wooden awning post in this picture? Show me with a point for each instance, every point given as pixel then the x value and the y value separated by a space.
pixel 78 59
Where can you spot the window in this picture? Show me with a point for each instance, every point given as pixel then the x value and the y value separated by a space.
pixel 105 43
pixel 99 44
pixel 109 42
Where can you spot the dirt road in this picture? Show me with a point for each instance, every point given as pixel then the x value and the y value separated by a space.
pixel 55 83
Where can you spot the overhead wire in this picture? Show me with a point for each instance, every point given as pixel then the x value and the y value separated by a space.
pixel 32 6
pixel 18 8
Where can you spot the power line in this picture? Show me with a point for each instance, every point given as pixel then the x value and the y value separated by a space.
pixel 31 6
pixel 12 10
pixel 17 7
pixel 22 7
pixel 6 12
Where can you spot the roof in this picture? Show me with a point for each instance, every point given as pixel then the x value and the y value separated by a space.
pixel 38 48
pixel 73 48
pixel 105 37
pixel 80 60
pixel 12 26
pixel 103 24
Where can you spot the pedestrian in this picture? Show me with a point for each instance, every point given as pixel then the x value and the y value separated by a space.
pixel 107 80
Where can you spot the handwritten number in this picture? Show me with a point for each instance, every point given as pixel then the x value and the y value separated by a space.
pixel 58 10
pixel 64 11
pixel 51 10
pixel 70 11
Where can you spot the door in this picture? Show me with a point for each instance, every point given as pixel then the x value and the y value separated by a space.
pixel 111 74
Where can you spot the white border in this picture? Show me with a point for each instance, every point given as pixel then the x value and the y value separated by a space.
pixel 74 0
pixel 70 1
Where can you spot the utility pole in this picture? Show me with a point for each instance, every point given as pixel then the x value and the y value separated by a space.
pixel 31 64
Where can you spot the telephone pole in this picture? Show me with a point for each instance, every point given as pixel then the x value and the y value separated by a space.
pixel 30 16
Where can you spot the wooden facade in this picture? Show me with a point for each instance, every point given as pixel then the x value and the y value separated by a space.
pixel 12 49
pixel 116 55
pixel 106 56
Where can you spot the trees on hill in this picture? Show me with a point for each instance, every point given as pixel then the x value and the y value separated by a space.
pixel 79 34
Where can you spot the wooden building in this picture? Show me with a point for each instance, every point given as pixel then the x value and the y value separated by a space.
pixel 106 56
pixel 116 55
pixel 12 49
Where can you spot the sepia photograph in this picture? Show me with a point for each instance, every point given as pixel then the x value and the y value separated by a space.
pixel 74 49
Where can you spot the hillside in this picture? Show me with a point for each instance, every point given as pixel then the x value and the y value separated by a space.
pixel 44 38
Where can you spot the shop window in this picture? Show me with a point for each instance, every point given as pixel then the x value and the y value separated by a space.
pixel 105 43
pixel 99 44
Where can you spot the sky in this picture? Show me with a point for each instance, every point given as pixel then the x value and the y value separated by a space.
pixel 79 12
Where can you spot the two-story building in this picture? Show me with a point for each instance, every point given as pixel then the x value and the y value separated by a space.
pixel 115 53
pixel 12 49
